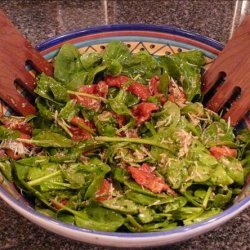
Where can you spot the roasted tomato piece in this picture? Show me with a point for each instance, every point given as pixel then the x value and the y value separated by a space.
pixel 86 102
pixel 121 119
pixel 147 178
pixel 16 155
pixel 81 123
pixel 154 89
pixel 57 206
pixel 116 81
pixel 2 153
pixel 135 88
pixel 79 134
pixel 100 89
pixel 176 94
pixel 104 192
pixel 17 124
pixel 139 90
pixel 142 111
pixel 221 151
pixel 154 85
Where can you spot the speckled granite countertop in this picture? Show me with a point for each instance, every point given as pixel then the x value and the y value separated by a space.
pixel 42 19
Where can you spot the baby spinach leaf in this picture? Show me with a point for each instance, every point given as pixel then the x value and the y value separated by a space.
pixel 234 169
pixel 164 83
pixel 219 177
pixel 118 105
pixel 105 124
pixel 69 111
pixel 67 63
pixel 99 218
pixel 142 65
pixel 116 50
pixel 194 57
pixel 94 186
pixel 146 215
pixel 90 60
pixel 75 174
pixel 6 133
pixel 49 139
pixel 48 88
pixel 217 133
pixel 121 204
pixel 204 216
pixel 221 199
pixel 147 200
pixel 65 217
pixel 44 110
pixel 6 170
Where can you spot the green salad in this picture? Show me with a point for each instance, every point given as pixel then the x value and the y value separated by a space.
pixel 121 142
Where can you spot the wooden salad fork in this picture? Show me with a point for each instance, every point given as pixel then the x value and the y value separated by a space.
pixel 15 53
pixel 233 64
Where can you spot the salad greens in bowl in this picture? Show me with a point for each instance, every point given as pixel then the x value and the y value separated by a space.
pixel 121 150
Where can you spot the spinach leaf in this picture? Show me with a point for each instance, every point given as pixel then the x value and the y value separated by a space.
pixel 90 60
pixel 217 133
pixel 116 51
pixel 99 218
pixel 142 65
pixel 6 169
pixel 121 204
pixel 6 133
pixel 69 110
pixel 118 104
pixel 49 139
pixel 48 88
pixel 67 63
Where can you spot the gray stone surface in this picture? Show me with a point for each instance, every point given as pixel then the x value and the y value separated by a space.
pixel 43 19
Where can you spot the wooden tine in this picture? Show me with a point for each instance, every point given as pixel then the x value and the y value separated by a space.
pixel 15 52
pixel 232 54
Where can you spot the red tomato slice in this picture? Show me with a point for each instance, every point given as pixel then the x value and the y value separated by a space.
pixel 220 151
pixel 57 206
pixel 116 81
pixel 142 111
pixel 2 153
pixel 79 134
pixel 104 192
pixel 100 89
pixel 147 178
pixel 139 90
pixel 17 156
pixel 81 123
pixel 14 124
pixel 135 88
pixel 176 94
pixel 154 89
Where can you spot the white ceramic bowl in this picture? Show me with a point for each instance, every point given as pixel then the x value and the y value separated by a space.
pixel 156 40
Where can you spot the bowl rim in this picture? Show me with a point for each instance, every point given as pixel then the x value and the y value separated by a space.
pixel 184 230
pixel 129 27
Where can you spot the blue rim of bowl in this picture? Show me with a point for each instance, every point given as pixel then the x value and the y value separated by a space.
pixel 129 27
pixel 100 29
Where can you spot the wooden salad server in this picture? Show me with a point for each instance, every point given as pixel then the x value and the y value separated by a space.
pixel 233 64
pixel 15 53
